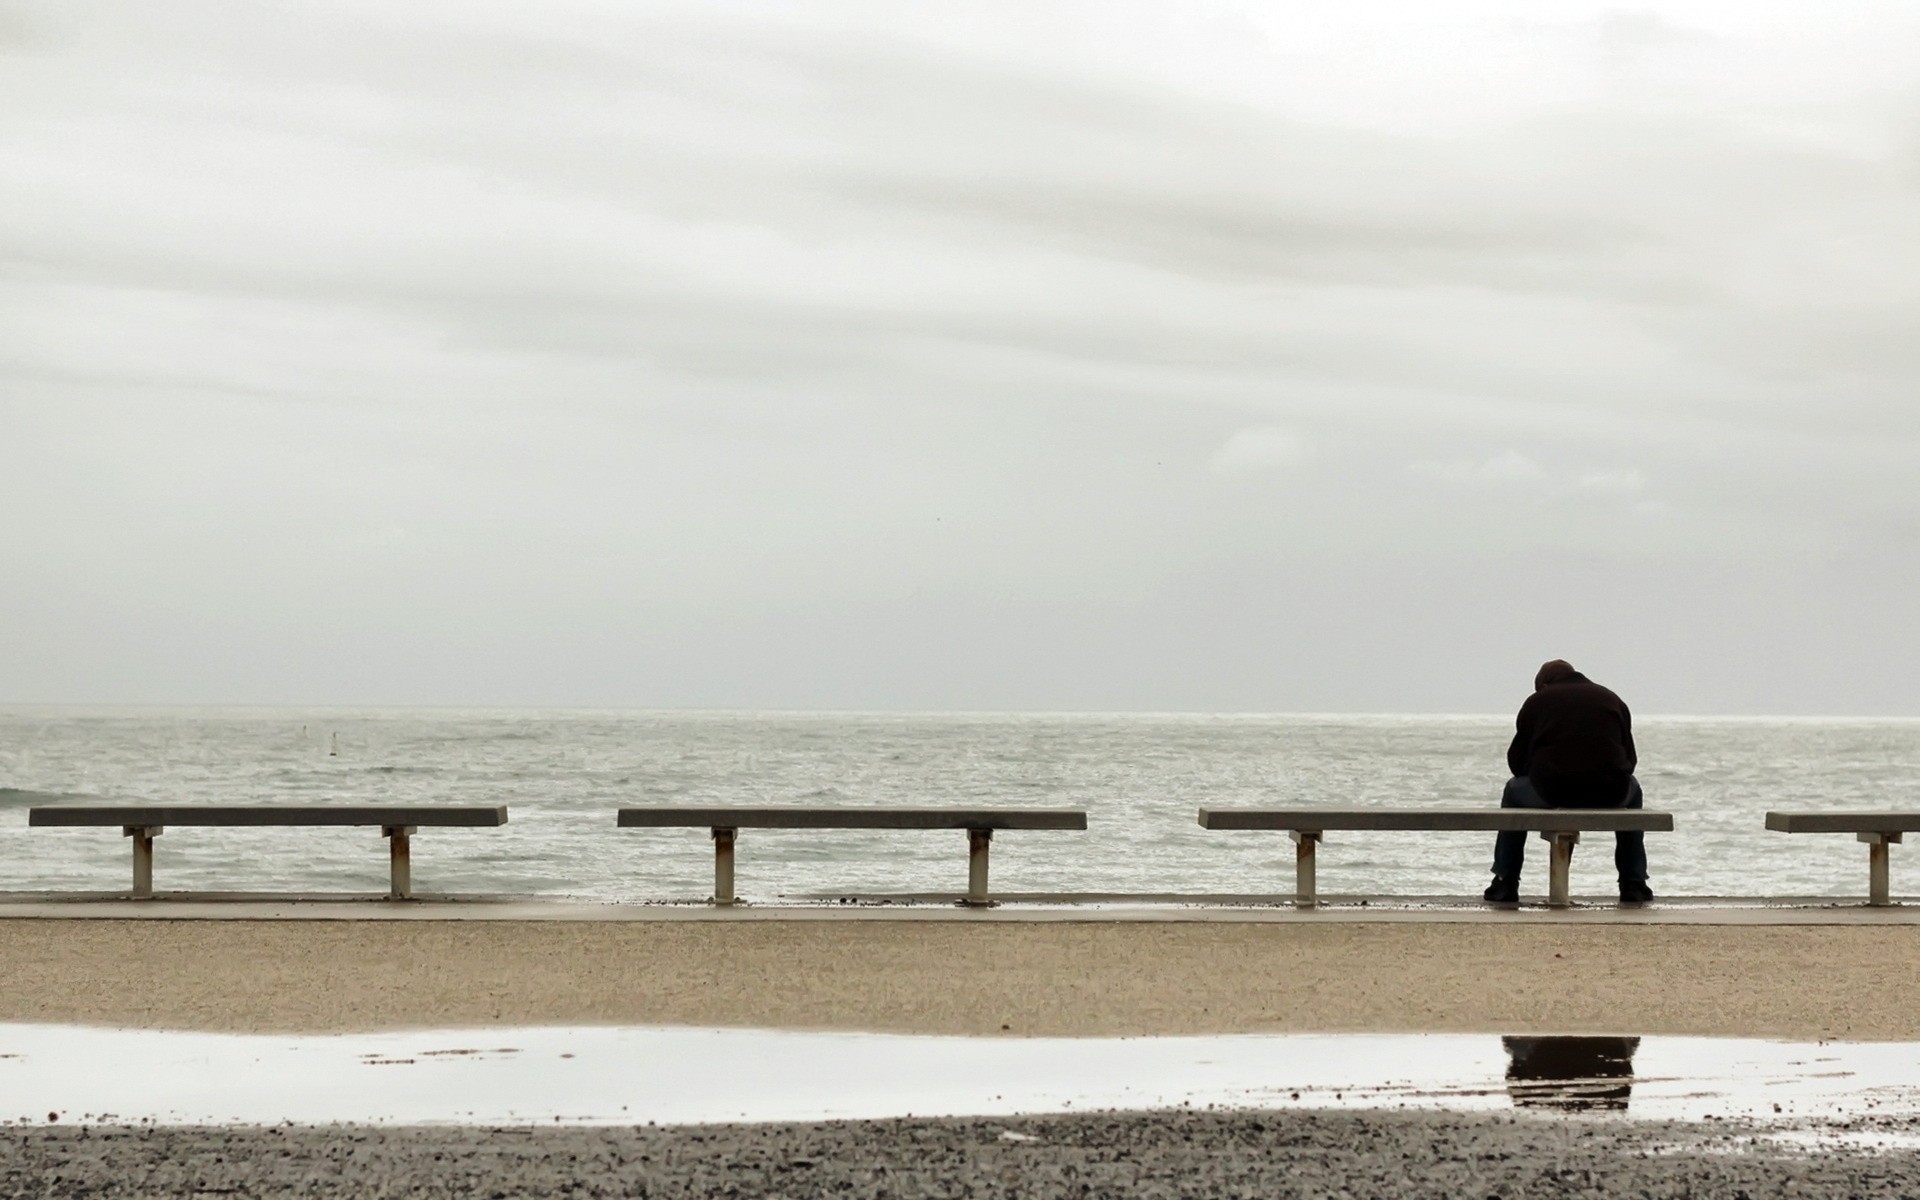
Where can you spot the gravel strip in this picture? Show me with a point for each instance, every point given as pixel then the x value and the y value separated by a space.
pixel 1304 1154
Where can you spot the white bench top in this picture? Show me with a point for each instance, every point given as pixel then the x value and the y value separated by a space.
pixel 1499 820
pixel 783 817
pixel 1843 822
pixel 152 815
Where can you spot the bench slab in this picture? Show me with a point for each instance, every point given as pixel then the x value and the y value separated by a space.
pixel 1495 820
pixel 853 818
pixel 1844 822
pixel 160 815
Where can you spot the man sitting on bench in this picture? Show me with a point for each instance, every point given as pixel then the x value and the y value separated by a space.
pixel 1572 748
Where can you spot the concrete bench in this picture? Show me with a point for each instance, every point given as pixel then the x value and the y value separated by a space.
pixel 144 822
pixel 1877 829
pixel 1560 827
pixel 980 823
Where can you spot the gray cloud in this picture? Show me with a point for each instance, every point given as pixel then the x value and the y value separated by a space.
pixel 856 355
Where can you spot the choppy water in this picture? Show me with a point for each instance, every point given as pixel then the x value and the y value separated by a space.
pixel 1140 776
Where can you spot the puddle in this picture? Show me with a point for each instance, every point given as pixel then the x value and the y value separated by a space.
pixel 674 1076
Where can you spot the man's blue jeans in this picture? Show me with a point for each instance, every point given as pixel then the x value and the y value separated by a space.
pixel 1510 849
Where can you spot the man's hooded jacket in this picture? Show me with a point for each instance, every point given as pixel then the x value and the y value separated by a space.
pixel 1574 740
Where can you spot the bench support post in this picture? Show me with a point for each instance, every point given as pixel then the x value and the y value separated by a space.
pixel 1877 881
pixel 142 836
pixel 1560 866
pixel 723 865
pixel 399 861
pixel 1306 886
pixel 977 842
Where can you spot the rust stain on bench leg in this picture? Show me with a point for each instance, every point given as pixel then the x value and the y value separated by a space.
pixel 723 865
pixel 977 842
pixel 142 836
pixel 1560 868
pixel 399 861
pixel 1306 884
pixel 1879 889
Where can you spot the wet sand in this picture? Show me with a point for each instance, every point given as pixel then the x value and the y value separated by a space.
pixel 1057 978
pixel 1140 1154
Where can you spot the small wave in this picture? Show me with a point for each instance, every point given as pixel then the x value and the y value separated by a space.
pixel 482 736
pixel 24 798
pixel 401 770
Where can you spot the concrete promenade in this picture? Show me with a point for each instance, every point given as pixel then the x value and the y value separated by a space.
pixel 1013 909
pixel 1802 972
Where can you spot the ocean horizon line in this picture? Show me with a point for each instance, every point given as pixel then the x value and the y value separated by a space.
pixel 134 708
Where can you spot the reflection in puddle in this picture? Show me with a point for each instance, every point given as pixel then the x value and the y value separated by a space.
pixel 1573 1074
pixel 599 1075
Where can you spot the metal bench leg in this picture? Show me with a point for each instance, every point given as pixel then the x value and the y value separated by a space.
pixel 1878 891
pixel 977 842
pixel 1560 867
pixel 142 836
pixel 399 861
pixel 723 866
pixel 1306 887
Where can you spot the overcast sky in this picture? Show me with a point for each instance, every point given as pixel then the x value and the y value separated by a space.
pixel 1029 355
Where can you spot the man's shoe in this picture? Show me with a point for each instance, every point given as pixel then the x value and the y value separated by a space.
pixel 1505 889
pixel 1635 891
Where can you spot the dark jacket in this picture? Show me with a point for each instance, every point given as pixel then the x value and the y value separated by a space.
pixel 1574 740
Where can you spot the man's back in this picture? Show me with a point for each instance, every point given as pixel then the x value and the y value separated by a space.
pixel 1573 739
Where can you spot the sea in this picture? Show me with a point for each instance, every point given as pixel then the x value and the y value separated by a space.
pixel 1141 778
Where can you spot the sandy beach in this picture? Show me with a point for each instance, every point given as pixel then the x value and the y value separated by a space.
pixel 1000 978
pixel 1056 978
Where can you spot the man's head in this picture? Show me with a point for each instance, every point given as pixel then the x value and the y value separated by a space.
pixel 1557 671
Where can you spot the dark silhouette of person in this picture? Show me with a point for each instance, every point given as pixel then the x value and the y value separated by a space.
pixel 1572 748
pixel 1573 1074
